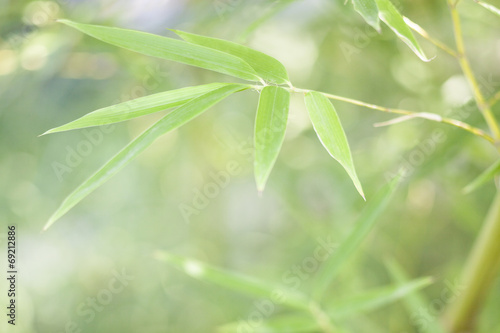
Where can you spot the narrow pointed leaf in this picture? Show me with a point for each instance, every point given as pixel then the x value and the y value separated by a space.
pixel 374 299
pixel 369 11
pixel 171 121
pixel 138 107
pixel 170 49
pixel 491 8
pixel 266 67
pixel 483 178
pixel 289 323
pixel 364 225
pixel 414 302
pixel 235 281
pixel 394 20
pixel 270 126
pixel 327 125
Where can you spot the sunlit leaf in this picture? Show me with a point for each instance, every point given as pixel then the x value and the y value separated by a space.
pixel 327 125
pixel 289 323
pixel 138 107
pixel 364 225
pixel 414 302
pixel 171 121
pixel 266 67
pixel 270 126
pixel 483 178
pixel 171 49
pixel 231 280
pixel 491 8
pixel 369 11
pixel 374 299
pixel 390 16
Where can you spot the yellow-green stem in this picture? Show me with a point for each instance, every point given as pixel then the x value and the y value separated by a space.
pixel 483 263
pixel 479 274
pixel 466 68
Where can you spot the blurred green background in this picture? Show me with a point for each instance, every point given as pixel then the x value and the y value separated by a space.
pixel 51 74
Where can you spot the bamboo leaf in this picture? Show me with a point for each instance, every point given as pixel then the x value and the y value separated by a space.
pixel 376 298
pixel 483 178
pixel 171 121
pixel 289 323
pixel 491 8
pixel 369 11
pixel 235 281
pixel 327 125
pixel 138 107
pixel 414 302
pixel 170 49
pixel 394 20
pixel 270 126
pixel 266 67
pixel 365 224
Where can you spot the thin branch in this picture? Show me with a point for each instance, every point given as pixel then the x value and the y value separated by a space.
pixel 494 99
pixel 418 29
pixel 467 70
pixel 429 116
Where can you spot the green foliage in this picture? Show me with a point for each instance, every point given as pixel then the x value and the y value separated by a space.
pixel 365 223
pixel 369 10
pixel 490 7
pixel 171 121
pixel 221 56
pixel 139 107
pixel 270 126
pixel 483 178
pixel 170 49
pixel 331 134
pixel 268 68
pixel 391 16
pixel 306 319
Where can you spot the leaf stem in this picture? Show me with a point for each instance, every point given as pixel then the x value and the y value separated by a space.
pixel 466 68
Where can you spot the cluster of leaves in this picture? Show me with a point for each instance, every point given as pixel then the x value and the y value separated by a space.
pixel 220 56
pixel 234 60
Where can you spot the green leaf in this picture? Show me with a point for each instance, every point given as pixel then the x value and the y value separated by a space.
pixel 171 121
pixel 270 126
pixel 138 107
pixel 289 323
pixel 491 8
pixel 327 125
pixel 369 11
pixel 235 281
pixel 390 16
pixel 266 67
pixel 483 178
pixel 374 299
pixel 414 302
pixel 169 48
pixel 362 228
